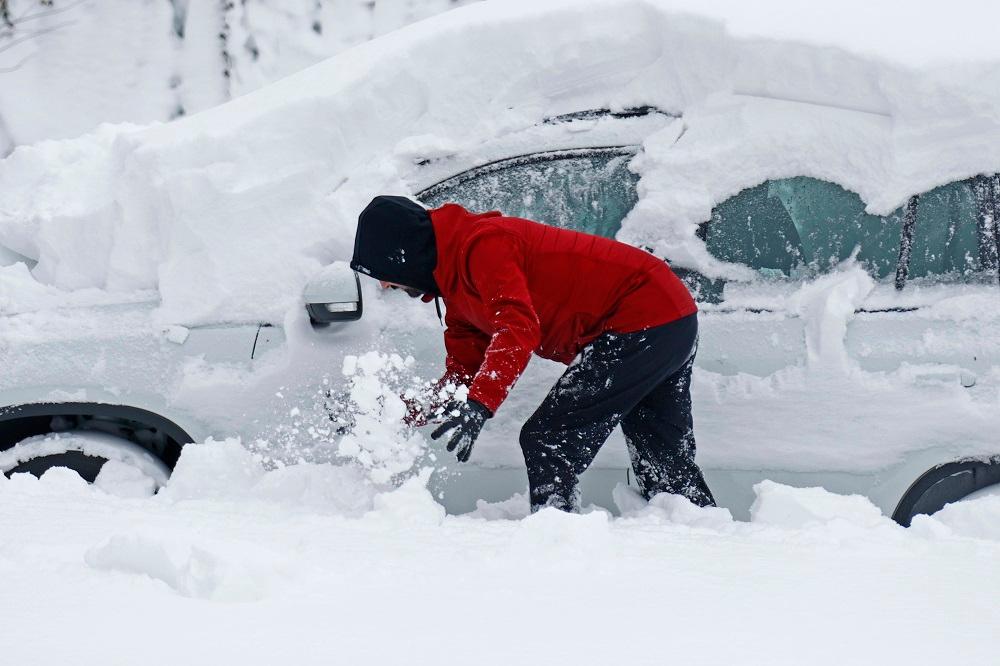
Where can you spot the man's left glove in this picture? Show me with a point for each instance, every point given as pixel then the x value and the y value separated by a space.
pixel 464 420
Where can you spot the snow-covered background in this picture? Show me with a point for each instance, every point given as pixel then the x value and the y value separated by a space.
pixel 70 65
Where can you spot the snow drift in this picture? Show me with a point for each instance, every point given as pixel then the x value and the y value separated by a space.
pixel 260 571
pixel 227 213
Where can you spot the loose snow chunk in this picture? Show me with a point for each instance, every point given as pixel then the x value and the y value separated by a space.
pixel 63 480
pixel 176 334
pixel 669 508
pixel 215 469
pixel 794 508
pixel 190 571
pixel 516 507
pixel 828 304
pixel 123 480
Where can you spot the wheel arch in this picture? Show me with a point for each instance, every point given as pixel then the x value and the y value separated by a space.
pixel 945 483
pixel 155 432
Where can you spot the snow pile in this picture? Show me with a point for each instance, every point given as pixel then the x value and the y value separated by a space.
pixel 227 471
pixel 227 213
pixel 972 518
pixel 805 507
pixel 263 579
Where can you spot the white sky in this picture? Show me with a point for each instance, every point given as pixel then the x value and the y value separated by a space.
pixel 915 32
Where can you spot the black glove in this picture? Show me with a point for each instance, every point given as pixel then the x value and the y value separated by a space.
pixel 464 420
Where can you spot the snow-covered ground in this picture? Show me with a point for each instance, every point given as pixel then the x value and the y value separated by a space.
pixel 232 565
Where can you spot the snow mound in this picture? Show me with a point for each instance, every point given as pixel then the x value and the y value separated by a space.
pixel 225 470
pixel 380 588
pixel 666 508
pixel 227 213
pixel 977 518
pixel 796 508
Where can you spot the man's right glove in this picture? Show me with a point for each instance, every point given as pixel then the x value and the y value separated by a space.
pixel 464 420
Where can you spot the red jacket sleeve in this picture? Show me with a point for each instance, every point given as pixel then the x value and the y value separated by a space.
pixel 496 269
pixel 465 346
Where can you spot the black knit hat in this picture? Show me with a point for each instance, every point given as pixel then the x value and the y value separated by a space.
pixel 395 242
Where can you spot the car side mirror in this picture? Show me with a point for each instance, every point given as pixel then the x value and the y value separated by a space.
pixel 333 295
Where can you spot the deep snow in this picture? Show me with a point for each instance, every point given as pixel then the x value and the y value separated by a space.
pixel 308 565
pixel 227 213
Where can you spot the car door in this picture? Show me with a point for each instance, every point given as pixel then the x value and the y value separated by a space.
pixel 941 308
pixel 933 263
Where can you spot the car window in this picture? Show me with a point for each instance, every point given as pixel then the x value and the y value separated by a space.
pixel 946 233
pixel 799 226
pixel 589 190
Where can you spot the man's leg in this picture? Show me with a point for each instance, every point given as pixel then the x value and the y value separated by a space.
pixel 607 380
pixel 659 433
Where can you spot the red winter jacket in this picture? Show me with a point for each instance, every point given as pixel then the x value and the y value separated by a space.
pixel 513 287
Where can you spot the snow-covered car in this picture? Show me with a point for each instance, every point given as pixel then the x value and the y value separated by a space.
pixel 847 284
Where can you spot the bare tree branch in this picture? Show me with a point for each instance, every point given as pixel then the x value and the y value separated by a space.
pixel 49 12
pixel 16 66
pixel 31 35
pixel 12 35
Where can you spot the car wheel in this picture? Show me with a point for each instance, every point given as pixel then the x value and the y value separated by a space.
pixel 946 484
pixel 989 491
pixel 112 463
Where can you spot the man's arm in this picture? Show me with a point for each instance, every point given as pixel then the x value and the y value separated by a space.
pixel 496 269
pixel 465 346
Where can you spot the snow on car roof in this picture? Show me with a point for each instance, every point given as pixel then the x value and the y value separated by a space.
pixel 227 213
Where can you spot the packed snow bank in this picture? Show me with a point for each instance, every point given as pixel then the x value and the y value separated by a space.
pixel 227 213
pixel 278 579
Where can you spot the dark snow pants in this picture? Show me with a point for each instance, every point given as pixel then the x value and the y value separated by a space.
pixel 643 381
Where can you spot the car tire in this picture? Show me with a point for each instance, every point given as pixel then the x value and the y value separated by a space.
pixel 946 484
pixel 89 454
